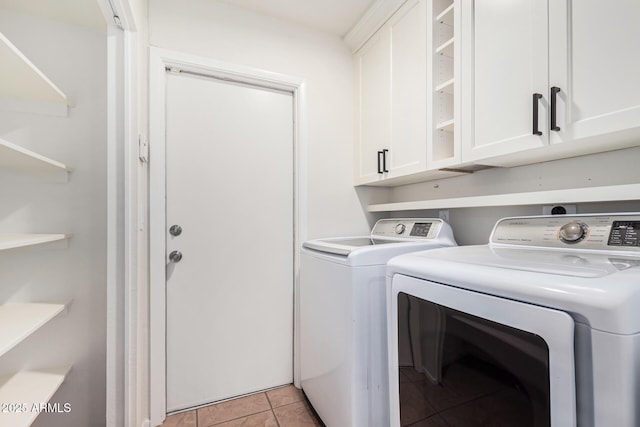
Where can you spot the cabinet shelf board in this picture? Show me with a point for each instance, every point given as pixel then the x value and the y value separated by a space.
pixel 30 388
pixel 446 16
pixel 23 87
pixel 446 87
pixel 15 240
pixel 20 159
pixel 447 126
pixel 613 193
pixel 446 48
pixel 18 321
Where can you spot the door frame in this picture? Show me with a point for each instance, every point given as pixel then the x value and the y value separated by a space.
pixel 160 61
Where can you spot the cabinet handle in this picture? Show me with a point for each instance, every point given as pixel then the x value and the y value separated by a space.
pixel 536 98
pixel 380 162
pixel 554 95
pixel 384 160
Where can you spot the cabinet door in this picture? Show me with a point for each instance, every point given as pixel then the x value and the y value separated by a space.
pixel 373 104
pixel 504 63
pixel 408 150
pixel 595 62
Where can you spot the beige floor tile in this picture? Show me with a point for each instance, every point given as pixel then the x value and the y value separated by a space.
pixel 297 414
pixel 284 396
pixel 263 419
pixel 184 419
pixel 232 409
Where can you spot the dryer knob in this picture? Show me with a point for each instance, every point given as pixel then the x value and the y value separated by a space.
pixel 400 228
pixel 573 232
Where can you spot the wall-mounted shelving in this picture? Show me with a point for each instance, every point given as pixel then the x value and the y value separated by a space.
pixel 446 16
pixel 443 83
pixel 446 87
pixel 29 388
pixel 18 321
pixel 611 193
pixel 18 240
pixel 16 158
pixel 24 88
pixel 446 48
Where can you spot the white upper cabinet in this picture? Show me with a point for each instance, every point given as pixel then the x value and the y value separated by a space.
pixel 505 63
pixel 373 108
pixel 391 98
pixel 594 53
pixel 537 73
pixel 408 145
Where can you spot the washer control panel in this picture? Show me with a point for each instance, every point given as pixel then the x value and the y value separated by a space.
pixel 597 232
pixel 408 228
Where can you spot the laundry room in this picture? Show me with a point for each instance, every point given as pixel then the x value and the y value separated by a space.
pixel 361 213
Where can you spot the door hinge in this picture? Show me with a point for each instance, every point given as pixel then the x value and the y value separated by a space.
pixel 143 149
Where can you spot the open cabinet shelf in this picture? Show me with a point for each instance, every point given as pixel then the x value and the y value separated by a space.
pixel 24 88
pixel 12 241
pixel 14 157
pixel 446 16
pixel 29 389
pixel 446 126
pixel 446 48
pixel 18 321
pixel 446 87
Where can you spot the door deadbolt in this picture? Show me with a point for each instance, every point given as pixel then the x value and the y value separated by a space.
pixel 175 256
pixel 175 230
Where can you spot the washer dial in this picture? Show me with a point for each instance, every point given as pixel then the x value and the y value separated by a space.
pixel 400 228
pixel 573 232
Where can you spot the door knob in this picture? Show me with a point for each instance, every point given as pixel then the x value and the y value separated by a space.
pixel 175 256
pixel 175 230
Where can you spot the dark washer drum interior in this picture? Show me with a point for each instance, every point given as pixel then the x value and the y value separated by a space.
pixel 460 370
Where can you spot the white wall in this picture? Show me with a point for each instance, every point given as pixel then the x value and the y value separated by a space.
pixel 75 59
pixel 473 225
pixel 233 35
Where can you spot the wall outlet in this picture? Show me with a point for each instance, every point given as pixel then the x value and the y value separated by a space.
pixel 444 215
pixel 559 210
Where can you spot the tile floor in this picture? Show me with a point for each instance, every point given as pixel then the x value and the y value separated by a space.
pixel 281 407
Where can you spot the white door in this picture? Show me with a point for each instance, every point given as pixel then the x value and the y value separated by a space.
pixel 229 186
pixel 595 64
pixel 505 62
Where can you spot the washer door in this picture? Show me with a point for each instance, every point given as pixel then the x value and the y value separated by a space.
pixel 458 357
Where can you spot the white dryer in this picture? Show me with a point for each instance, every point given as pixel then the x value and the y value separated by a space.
pixel 541 327
pixel 343 335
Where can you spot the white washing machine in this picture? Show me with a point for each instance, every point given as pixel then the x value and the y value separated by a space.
pixel 541 327
pixel 343 336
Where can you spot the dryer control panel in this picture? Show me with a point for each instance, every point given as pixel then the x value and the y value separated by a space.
pixel 408 228
pixel 619 232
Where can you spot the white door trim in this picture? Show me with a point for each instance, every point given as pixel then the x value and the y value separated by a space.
pixel 160 60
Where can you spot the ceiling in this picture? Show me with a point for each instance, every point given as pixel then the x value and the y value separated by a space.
pixel 332 16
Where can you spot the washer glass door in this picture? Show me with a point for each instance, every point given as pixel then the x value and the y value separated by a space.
pixel 462 358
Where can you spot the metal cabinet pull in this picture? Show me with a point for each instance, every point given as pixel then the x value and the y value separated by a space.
pixel 536 99
pixel 380 162
pixel 175 256
pixel 384 160
pixel 554 95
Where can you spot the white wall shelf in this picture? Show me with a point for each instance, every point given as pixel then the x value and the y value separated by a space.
pixel 446 16
pixel 612 193
pixel 446 87
pixel 12 241
pixel 446 125
pixel 19 159
pixel 446 48
pixel 31 389
pixel 18 321
pixel 24 88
